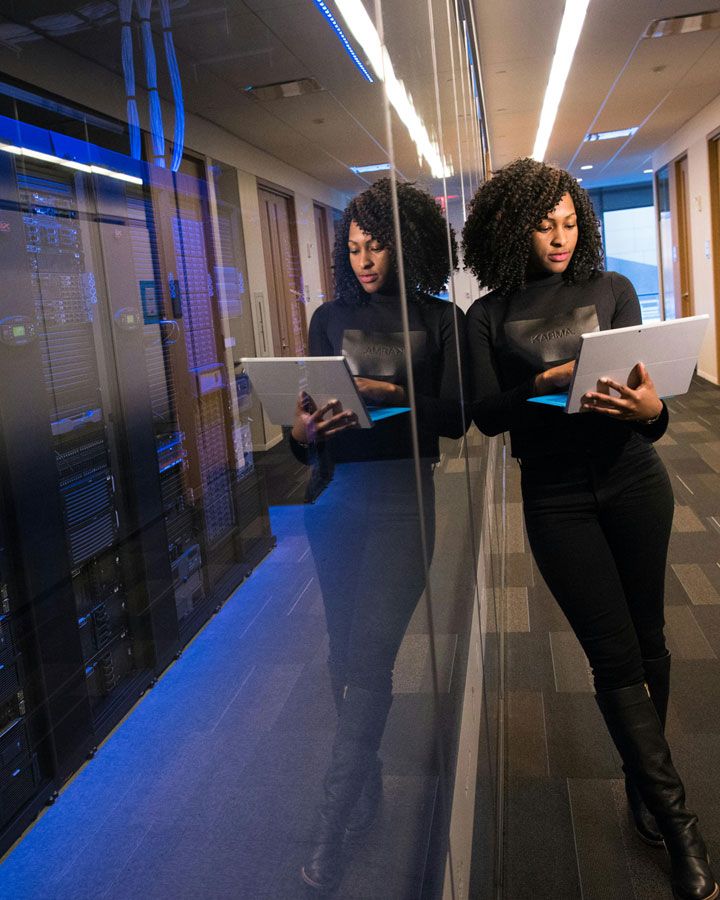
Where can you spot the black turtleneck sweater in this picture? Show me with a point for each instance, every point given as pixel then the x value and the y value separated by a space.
pixel 370 336
pixel 514 337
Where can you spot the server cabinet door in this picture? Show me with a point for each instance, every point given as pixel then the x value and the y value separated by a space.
pixel 195 369
pixel 44 604
pixel 83 452
pixel 152 444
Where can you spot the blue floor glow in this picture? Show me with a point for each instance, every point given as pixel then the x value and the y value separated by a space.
pixel 130 804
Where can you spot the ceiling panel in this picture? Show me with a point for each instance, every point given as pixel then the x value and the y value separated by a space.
pixel 617 79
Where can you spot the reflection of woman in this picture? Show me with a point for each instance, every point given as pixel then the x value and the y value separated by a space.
pixel 597 499
pixel 365 528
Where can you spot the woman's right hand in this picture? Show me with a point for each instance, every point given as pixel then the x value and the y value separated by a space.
pixel 310 424
pixel 557 378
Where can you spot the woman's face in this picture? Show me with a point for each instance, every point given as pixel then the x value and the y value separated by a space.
pixel 370 261
pixel 555 238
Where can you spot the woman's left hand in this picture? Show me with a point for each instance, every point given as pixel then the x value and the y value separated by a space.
pixel 638 400
pixel 381 393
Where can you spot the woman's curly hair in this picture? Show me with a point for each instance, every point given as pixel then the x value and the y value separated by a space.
pixel 423 231
pixel 507 209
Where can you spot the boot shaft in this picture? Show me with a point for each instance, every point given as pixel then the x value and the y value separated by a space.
pixel 636 730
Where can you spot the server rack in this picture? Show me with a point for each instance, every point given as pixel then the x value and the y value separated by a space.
pixel 123 522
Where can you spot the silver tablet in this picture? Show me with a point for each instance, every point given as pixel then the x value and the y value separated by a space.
pixel 278 380
pixel 669 351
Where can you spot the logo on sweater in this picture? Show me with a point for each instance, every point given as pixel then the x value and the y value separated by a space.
pixel 550 339
pixel 380 350
pixel 551 335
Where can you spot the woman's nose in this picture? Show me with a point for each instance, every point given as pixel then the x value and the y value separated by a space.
pixel 558 238
pixel 365 259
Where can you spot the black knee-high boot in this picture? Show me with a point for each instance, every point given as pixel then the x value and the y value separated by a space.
pixel 365 811
pixel 657 677
pixel 635 728
pixel 361 723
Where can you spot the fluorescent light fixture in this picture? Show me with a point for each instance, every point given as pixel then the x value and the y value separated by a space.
pixel 335 25
pixel 647 171
pixel 702 21
pixel 69 163
pixel 365 33
pixel 578 180
pixel 568 37
pixel 121 176
pixel 585 168
pixel 611 135
pixel 378 167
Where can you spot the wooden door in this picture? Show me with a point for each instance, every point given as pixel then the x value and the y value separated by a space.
pixel 282 268
pixel 687 305
pixel 713 247
pixel 324 252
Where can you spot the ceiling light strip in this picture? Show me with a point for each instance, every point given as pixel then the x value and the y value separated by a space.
pixel 365 33
pixel 335 25
pixel 69 163
pixel 570 29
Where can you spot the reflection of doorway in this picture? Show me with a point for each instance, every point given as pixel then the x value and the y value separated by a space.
pixel 282 267
pixel 324 243
pixel 714 151
pixel 684 273
pixel 665 242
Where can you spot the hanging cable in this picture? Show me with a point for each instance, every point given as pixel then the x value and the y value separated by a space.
pixel 156 122
pixel 179 135
pixel 125 8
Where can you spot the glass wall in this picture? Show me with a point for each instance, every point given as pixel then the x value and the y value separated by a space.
pixel 234 383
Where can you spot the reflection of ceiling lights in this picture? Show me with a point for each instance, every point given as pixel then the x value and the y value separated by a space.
pixel 568 37
pixel 585 168
pixel 702 21
pixel 343 39
pixel 365 33
pixel 647 171
pixel 611 135
pixel 69 163
pixel 378 167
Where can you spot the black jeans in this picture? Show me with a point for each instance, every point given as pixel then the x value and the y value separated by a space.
pixel 364 533
pixel 599 529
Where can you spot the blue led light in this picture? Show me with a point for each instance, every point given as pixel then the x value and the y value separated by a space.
pixel 343 39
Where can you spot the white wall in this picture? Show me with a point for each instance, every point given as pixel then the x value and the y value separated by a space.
pixel 692 139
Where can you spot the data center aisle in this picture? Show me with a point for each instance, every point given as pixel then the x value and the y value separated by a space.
pixel 567 831
pixel 207 790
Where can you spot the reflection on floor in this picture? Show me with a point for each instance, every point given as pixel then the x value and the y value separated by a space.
pixel 285 478
pixel 567 831
pixel 207 789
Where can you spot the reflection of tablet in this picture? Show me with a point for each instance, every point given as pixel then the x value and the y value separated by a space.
pixel 669 351
pixel 278 381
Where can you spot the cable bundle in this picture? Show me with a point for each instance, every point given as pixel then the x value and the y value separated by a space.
pixel 125 7
pixel 174 69
pixel 156 122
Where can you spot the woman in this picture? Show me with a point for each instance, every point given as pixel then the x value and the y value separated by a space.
pixel 365 529
pixel 597 500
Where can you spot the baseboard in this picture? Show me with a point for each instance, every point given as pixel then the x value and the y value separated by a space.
pixel 708 377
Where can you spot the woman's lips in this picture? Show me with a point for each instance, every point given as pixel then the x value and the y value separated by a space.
pixel 558 257
pixel 367 279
